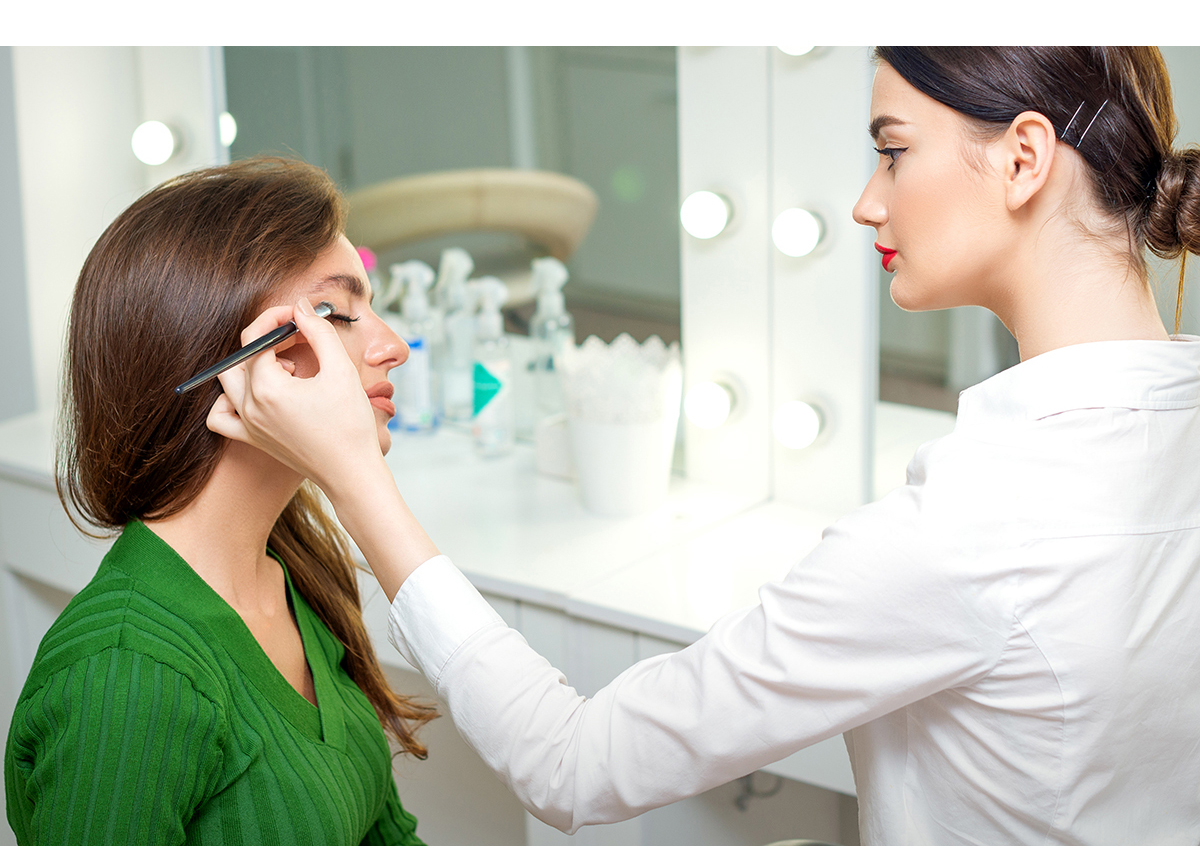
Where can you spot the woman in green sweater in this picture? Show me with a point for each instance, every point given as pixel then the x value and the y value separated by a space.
pixel 214 683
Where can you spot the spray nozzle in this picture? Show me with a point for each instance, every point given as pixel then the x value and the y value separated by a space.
pixel 491 293
pixel 410 283
pixel 549 277
pixel 450 289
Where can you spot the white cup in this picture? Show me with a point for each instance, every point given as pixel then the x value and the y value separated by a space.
pixel 623 468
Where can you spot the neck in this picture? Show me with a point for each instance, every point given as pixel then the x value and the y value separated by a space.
pixel 223 532
pixel 1070 290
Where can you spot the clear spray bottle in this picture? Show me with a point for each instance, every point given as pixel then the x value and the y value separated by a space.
pixel 416 408
pixel 553 331
pixel 493 424
pixel 455 299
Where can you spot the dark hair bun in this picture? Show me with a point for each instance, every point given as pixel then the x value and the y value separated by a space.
pixel 1173 223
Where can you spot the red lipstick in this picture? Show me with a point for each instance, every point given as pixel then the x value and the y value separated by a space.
pixel 888 255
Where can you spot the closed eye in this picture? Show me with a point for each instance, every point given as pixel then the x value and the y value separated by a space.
pixel 342 319
pixel 892 153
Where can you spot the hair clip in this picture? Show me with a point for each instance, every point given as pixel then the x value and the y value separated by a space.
pixel 1078 141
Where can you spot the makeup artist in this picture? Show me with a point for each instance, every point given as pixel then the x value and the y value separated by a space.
pixel 1011 641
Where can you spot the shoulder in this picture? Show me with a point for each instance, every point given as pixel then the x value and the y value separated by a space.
pixel 949 543
pixel 125 608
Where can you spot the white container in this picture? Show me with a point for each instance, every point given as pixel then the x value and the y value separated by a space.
pixel 624 469
pixel 623 407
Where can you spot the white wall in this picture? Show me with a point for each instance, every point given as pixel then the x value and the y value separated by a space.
pixel 76 109
pixel 17 395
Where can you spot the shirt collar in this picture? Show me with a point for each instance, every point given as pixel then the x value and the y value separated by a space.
pixel 1136 374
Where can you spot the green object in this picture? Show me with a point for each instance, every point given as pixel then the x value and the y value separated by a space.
pixel 486 387
pixel 153 716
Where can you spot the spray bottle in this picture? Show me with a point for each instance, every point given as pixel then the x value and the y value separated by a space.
pixel 493 422
pixel 414 380
pixel 458 315
pixel 553 331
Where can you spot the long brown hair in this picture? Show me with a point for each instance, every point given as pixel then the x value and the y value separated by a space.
pixel 166 291
pixel 1119 96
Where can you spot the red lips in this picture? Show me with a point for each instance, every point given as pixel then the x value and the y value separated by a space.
pixel 380 396
pixel 888 255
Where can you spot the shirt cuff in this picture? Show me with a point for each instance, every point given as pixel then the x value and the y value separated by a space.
pixel 436 611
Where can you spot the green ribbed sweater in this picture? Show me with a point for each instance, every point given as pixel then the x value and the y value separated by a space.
pixel 153 716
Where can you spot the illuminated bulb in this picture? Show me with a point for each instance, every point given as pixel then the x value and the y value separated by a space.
pixel 797 232
pixel 228 128
pixel 705 214
pixel 154 142
pixel 708 404
pixel 797 424
pixel 796 50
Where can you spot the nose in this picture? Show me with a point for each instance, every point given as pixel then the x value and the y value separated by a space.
pixel 387 349
pixel 870 209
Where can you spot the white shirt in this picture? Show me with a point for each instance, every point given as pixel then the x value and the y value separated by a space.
pixel 1012 639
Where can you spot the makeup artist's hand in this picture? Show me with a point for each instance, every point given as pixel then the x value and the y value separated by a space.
pixel 323 426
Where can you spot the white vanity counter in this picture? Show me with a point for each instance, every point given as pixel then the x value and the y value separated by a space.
pixel 593 595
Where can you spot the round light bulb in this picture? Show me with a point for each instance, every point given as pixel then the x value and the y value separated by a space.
pixel 797 232
pixel 154 142
pixel 797 424
pixel 228 127
pixel 708 404
pixel 796 50
pixel 705 214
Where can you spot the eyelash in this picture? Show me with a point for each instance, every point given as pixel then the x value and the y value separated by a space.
pixel 892 153
pixel 342 319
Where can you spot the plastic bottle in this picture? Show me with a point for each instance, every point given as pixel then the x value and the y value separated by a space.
pixel 493 424
pixel 416 409
pixel 552 330
pixel 457 303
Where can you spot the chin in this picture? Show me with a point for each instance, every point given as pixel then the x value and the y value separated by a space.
pixel 385 440
pixel 918 301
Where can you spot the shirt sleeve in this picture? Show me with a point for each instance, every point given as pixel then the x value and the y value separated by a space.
pixel 881 614
pixel 114 749
pixel 395 826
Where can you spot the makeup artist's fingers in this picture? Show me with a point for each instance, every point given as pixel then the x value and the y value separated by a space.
pixel 224 420
pixel 324 340
pixel 296 420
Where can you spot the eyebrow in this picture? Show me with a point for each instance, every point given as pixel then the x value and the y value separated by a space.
pixel 880 122
pixel 347 281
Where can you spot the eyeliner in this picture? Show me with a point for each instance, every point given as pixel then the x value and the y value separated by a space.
pixel 324 309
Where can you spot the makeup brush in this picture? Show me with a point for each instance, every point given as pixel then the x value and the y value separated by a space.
pixel 278 335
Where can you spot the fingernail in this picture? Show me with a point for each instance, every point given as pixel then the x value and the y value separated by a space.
pixel 306 306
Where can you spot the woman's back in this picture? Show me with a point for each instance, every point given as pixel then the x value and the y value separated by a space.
pixel 1068 502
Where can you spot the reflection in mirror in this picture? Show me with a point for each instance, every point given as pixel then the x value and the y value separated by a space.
pixel 605 116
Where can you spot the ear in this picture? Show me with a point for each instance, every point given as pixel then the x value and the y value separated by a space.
pixel 1027 150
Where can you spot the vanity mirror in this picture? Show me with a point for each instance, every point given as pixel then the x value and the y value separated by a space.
pixel 604 116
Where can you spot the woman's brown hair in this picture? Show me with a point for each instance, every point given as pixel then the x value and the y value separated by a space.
pixel 1121 98
pixel 166 291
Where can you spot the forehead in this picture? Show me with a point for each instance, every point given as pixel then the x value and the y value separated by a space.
pixel 897 106
pixel 337 269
